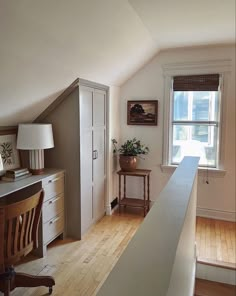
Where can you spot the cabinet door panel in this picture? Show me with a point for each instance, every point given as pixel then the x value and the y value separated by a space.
pixel 99 108
pixel 86 107
pixel 86 190
pixel 99 173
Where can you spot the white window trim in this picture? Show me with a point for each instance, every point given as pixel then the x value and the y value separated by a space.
pixel 222 67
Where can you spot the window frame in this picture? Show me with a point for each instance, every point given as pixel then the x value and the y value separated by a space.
pixel 221 67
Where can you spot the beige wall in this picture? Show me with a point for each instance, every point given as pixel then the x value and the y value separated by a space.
pixel 218 198
pixel 114 132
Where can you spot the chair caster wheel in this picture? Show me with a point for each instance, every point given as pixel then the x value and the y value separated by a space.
pixel 50 290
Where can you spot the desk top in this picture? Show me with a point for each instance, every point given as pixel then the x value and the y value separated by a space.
pixel 136 173
pixel 10 187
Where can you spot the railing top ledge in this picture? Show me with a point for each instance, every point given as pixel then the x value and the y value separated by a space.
pixel 146 265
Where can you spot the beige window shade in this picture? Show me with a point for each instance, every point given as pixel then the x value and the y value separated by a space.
pixel 209 82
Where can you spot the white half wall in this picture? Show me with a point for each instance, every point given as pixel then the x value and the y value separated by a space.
pixel 218 196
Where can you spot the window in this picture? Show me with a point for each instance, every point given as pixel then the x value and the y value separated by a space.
pixel 195 98
pixel 195 119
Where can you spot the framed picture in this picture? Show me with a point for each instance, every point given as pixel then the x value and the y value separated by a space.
pixel 10 155
pixel 142 112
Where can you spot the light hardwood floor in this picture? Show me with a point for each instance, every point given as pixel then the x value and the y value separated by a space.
pixel 216 240
pixel 208 288
pixel 80 267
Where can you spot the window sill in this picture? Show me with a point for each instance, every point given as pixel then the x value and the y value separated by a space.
pixel 212 172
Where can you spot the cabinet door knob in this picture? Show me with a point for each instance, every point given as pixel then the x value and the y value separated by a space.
pixel 54 220
pixel 54 180
pixel 54 200
pixel 95 154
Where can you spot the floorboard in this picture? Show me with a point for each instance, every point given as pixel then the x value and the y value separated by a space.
pixel 208 288
pixel 216 241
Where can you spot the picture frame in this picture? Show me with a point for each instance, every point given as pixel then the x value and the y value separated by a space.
pixel 142 112
pixel 9 153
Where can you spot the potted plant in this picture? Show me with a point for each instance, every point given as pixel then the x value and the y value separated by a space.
pixel 129 152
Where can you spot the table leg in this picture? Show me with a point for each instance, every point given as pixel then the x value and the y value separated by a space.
pixel 148 193
pixel 124 186
pixel 144 196
pixel 119 192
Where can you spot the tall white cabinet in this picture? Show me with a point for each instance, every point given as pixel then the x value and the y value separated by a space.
pixel 92 154
pixel 79 122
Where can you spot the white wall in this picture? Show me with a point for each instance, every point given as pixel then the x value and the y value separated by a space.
pixel 114 132
pixel 46 45
pixel 217 198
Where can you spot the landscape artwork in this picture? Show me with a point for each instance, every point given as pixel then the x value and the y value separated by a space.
pixel 142 112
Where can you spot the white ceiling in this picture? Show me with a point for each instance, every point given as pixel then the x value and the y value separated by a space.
pixel 175 23
pixel 46 44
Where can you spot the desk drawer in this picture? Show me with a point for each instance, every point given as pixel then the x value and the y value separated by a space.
pixel 53 186
pixel 53 228
pixel 53 207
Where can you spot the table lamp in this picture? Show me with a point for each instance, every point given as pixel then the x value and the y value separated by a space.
pixel 35 137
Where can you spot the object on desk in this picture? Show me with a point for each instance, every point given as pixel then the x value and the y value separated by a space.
pixel 17 172
pixel 13 178
pixel 10 155
pixel 35 137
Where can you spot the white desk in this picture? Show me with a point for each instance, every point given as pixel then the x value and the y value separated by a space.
pixel 52 222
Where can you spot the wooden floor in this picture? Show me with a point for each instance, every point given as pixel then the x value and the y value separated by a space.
pixel 216 240
pixel 80 267
pixel 208 288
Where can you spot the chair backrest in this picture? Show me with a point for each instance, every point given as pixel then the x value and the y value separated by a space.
pixel 19 224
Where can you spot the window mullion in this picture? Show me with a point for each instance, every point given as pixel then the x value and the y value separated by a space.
pixel 194 122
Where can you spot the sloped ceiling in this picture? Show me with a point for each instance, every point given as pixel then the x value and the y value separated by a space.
pixel 178 23
pixel 46 44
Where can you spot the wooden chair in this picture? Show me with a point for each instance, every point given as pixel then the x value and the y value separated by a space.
pixel 19 224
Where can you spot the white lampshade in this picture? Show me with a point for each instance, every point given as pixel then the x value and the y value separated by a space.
pixel 35 136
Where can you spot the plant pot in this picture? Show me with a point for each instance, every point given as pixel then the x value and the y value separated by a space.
pixel 128 163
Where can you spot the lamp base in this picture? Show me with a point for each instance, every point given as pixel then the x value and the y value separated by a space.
pixel 36 161
pixel 37 172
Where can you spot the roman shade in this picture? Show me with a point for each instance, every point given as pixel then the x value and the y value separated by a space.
pixel 208 82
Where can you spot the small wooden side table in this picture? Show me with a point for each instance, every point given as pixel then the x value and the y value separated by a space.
pixel 135 202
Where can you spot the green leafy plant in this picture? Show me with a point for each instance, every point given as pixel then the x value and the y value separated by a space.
pixel 130 148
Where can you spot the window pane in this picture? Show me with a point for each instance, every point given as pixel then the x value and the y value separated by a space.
pixel 200 109
pixel 195 105
pixel 200 133
pixel 195 140
pixel 180 110
pixel 204 105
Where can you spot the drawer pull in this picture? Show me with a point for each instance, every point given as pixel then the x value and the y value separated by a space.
pixel 54 200
pixel 54 180
pixel 54 220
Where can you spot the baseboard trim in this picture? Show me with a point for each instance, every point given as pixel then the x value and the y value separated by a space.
pixel 216 214
pixel 216 274
pixel 112 207
pixel 216 263
pixel 108 210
